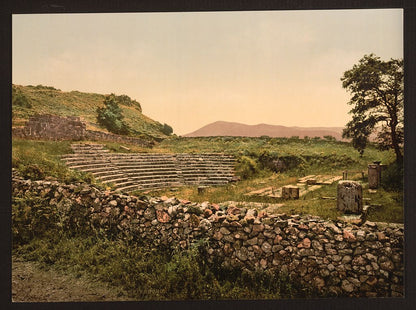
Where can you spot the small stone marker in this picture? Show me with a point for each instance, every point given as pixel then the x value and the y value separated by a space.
pixel 201 189
pixel 350 197
pixel 290 192
pixel 374 174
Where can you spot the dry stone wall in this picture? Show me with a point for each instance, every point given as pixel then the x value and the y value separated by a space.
pixel 54 127
pixel 330 257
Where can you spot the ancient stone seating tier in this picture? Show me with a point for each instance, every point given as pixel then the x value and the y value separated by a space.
pixel 146 171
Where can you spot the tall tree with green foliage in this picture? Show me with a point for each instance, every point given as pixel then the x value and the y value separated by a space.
pixel 377 88
pixel 111 116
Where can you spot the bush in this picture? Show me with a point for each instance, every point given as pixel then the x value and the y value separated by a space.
pixel 111 117
pixel 127 101
pixel 246 167
pixel 167 130
pixel 19 99
pixel 31 218
pixel 392 177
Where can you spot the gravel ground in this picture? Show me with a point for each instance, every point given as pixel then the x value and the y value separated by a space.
pixel 30 283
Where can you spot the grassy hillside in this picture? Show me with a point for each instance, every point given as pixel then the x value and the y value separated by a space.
pixel 30 100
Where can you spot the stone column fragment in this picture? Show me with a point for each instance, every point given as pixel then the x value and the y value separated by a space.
pixel 290 192
pixel 350 197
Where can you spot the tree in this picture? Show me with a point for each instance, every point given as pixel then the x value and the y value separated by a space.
pixel 111 116
pixel 377 99
pixel 166 129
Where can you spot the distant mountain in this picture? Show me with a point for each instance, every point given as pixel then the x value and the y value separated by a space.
pixel 222 128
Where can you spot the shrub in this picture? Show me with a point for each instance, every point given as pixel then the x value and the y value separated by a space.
pixel 246 167
pixel 166 129
pixel 127 101
pixel 111 117
pixel 31 218
pixel 19 99
pixel 392 177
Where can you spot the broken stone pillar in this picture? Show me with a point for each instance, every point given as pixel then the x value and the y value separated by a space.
pixel 374 176
pixel 201 189
pixel 350 197
pixel 290 192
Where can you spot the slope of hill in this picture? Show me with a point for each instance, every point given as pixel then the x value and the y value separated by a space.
pixel 30 100
pixel 222 128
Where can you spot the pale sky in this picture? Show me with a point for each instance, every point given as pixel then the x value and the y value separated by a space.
pixel 193 68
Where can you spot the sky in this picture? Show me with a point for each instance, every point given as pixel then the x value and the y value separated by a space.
pixel 189 69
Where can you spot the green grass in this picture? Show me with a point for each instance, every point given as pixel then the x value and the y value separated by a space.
pixel 280 146
pixel 156 274
pixel 389 204
pixel 38 160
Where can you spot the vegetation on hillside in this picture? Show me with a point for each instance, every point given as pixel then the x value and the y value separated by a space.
pixel 298 155
pixel 31 100
pixel 111 116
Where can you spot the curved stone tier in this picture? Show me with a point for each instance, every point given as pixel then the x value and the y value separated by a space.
pixel 146 171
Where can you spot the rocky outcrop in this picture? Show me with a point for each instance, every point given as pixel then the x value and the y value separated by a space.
pixel 332 258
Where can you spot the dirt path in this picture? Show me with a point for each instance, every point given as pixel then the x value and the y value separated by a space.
pixel 30 283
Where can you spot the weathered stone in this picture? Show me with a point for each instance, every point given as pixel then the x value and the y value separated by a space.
pixel 149 214
pixel 374 176
pixel 359 261
pixel 290 192
pixel 306 243
pixel 217 235
pixel 204 224
pixel 361 235
pixel 349 236
pixel 349 197
pixel 347 286
pixel 263 263
pixel 334 228
pixel 346 259
pixel 386 264
pixel 319 283
pixel 266 247
pixel 252 241
pixel 113 203
pixel 228 238
pixel 207 213
pixel 242 254
pixel 257 228
pixel 224 231
pixel 162 216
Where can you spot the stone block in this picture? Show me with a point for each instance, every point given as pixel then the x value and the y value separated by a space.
pixel 202 189
pixel 290 192
pixel 311 181
pixel 374 176
pixel 349 197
